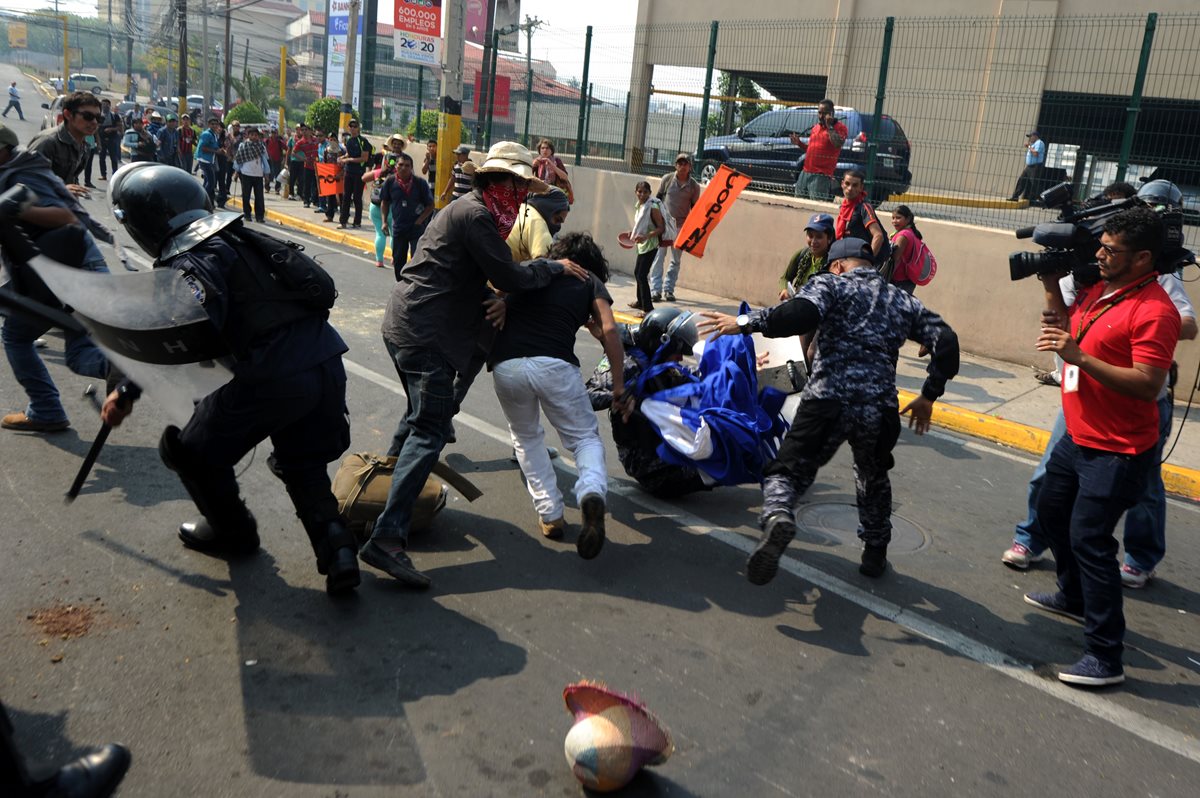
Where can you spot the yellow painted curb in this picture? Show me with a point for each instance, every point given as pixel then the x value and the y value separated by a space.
pixel 317 230
pixel 626 318
pixel 1180 481
pixel 962 202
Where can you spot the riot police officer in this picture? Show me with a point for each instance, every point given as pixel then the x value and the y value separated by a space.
pixel 288 383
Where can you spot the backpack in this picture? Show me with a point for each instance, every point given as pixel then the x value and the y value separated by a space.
pixel 922 266
pixel 296 276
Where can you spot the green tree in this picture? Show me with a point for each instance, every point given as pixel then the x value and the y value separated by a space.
pixel 247 112
pixel 325 114
pixel 263 91
pixel 429 125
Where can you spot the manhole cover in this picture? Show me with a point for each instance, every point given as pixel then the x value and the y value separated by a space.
pixel 828 523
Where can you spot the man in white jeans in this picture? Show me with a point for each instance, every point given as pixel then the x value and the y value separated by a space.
pixel 535 369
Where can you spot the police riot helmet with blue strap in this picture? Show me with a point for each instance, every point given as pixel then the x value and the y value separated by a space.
pixel 156 202
pixel 667 332
pixel 1161 192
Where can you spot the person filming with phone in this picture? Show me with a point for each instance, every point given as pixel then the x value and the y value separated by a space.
pixel 821 154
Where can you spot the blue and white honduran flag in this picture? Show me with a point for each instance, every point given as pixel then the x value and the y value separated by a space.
pixel 719 423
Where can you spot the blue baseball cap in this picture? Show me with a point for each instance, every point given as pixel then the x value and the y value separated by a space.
pixel 820 221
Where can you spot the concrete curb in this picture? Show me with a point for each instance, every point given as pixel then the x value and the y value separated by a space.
pixel 961 202
pixel 1183 482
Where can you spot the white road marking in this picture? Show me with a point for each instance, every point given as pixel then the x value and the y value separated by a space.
pixel 1128 720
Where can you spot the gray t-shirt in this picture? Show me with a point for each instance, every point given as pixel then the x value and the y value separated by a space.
pixel 677 198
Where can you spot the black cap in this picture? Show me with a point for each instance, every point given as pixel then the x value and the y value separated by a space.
pixel 850 248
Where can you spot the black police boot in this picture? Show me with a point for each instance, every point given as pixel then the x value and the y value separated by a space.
pixel 93 776
pixel 337 553
pixel 874 561
pixel 202 536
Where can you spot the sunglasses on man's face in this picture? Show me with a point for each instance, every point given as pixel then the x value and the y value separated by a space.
pixel 88 116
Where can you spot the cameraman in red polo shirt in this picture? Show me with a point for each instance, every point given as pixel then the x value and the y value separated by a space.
pixel 1117 340
pixel 820 159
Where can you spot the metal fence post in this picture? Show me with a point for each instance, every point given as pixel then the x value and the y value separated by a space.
pixel 587 118
pixel 1135 101
pixel 682 119
pixel 625 126
pixel 872 142
pixel 712 57
pixel 587 59
pixel 491 95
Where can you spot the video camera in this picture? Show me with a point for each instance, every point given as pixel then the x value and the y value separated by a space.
pixel 1069 244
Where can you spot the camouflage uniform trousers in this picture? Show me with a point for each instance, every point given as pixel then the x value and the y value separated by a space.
pixel 818 431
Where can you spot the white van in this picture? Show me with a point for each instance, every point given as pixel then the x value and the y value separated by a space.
pixel 82 81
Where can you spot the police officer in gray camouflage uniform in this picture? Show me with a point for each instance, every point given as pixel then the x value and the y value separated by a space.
pixel 861 323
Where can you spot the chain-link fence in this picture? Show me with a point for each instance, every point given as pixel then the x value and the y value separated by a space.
pixel 937 110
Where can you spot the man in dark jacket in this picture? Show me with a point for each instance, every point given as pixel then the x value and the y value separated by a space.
pixel 431 326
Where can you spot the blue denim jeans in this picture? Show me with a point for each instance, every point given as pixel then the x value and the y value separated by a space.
pixel 1146 521
pixel 657 284
pixel 428 380
pixel 208 173
pixel 81 356
pixel 1083 494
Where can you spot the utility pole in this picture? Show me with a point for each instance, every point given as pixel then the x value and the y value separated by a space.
pixel 450 106
pixel 129 51
pixel 348 76
pixel 181 108
pixel 110 77
pixel 283 65
pixel 228 60
pixel 531 24
pixel 206 78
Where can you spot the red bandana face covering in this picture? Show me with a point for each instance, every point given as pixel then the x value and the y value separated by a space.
pixel 503 201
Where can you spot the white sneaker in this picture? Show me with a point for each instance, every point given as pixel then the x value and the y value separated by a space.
pixel 1020 557
pixel 1134 578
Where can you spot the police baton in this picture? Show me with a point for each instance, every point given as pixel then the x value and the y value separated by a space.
pixel 129 393
pixel 88 462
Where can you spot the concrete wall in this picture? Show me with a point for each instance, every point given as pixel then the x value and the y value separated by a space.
pixel 993 316
pixel 965 80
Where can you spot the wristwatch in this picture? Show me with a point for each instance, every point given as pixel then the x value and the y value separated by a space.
pixel 743 323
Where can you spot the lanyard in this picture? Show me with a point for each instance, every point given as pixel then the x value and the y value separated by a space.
pixel 1082 329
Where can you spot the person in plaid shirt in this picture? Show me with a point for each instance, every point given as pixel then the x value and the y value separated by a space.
pixel 250 161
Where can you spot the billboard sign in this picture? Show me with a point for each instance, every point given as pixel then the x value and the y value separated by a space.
pixel 418 27
pixel 508 15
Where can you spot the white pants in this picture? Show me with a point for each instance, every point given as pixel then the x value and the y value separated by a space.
pixel 525 385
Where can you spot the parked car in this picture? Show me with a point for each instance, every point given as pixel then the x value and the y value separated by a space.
pixel 82 81
pixel 53 116
pixel 763 149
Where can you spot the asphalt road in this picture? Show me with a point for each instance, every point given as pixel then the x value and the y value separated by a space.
pixel 242 678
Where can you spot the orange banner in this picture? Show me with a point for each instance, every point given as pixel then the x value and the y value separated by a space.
pixel 329 179
pixel 714 203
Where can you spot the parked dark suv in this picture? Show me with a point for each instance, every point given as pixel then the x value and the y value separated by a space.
pixel 764 150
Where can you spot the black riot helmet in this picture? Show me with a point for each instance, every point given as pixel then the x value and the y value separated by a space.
pixel 671 326
pixel 1161 192
pixel 155 201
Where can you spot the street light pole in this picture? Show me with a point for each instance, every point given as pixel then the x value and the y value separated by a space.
pixel 531 24
pixel 348 77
